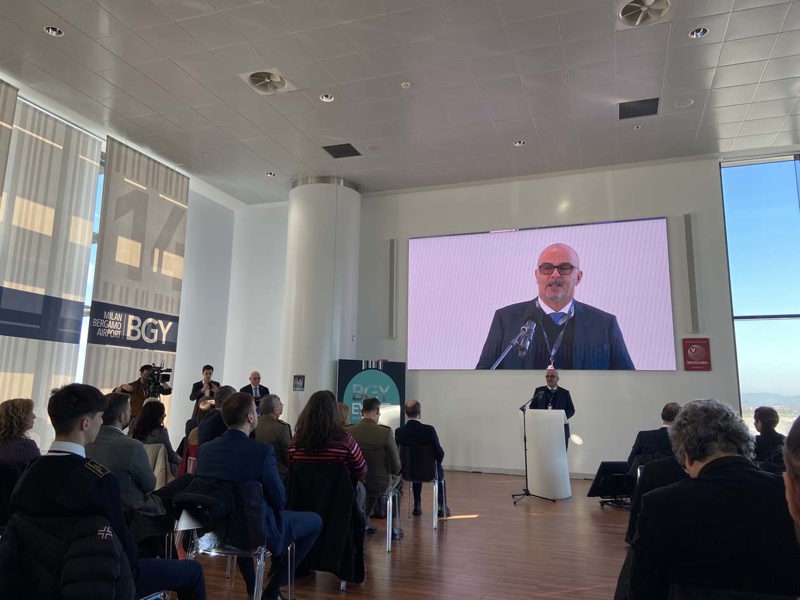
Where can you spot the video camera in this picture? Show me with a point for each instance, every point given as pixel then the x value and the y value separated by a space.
pixel 154 383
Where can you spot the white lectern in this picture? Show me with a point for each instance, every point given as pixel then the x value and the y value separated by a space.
pixel 548 473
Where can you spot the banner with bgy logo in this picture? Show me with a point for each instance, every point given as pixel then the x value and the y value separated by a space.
pixel 139 269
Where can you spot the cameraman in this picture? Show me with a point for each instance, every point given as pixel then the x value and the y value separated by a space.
pixel 143 388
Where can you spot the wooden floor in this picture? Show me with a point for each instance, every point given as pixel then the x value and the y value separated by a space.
pixel 571 549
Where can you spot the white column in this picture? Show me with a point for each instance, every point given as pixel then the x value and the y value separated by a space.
pixel 321 299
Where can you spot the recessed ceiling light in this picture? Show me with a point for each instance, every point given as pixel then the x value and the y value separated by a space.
pixel 271 174
pixel 684 102
pixel 519 143
pixel 373 147
pixel 326 97
pixel 637 127
pixel 54 31
pixel 406 85
pixel 203 154
pixel 698 33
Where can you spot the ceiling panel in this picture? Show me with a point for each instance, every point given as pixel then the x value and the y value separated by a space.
pixel 430 91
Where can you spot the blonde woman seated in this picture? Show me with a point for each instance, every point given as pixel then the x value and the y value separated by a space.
pixel 16 419
pixel 149 428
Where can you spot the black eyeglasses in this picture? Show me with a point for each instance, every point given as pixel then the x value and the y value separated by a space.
pixel 563 268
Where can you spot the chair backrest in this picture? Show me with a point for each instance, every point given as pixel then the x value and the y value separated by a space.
pixel 234 511
pixel 8 479
pixel 157 456
pixel 327 489
pixel 377 481
pixel 419 463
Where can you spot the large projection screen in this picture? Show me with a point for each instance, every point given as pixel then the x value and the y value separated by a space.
pixel 457 282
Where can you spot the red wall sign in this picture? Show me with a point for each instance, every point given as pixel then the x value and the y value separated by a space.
pixel 696 354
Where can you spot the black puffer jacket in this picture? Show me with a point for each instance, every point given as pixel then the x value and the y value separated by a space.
pixel 63 558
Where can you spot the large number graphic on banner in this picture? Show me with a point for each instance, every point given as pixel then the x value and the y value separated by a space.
pixel 139 272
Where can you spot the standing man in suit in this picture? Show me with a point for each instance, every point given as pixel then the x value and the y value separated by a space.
pixel 271 430
pixel 124 456
pixel 653 443
pixel 416 433
pixel 205 388
pixel 235 457
pixel 255 389
pixel 383 471
pixel 727 527
pixel 568 334
pixel 553 397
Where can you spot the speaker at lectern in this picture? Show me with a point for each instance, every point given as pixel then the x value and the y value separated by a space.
pixel 548 472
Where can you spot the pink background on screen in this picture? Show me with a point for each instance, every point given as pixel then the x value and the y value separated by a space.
pixel 455 283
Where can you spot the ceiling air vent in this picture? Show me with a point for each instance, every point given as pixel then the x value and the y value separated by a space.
pixel 268 82
pixel 341 150
pixel 638 13
pixel 638 108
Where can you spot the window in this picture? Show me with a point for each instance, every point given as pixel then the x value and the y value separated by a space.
pixel 762 219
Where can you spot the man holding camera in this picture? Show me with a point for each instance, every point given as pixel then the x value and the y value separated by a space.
pixel 143 388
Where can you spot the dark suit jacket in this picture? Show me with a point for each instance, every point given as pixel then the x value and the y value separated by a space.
pixel 262 390
pixel 769 446
pixel 655 474
pixel 211 427
pixel 414 433
pixel 598 340
pixel 562 401
pixel 728 528
pixel 650 445
pixel 236 458
pixel 197 390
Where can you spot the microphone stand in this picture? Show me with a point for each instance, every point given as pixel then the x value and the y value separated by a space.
pixel 513 344
pixel 526 493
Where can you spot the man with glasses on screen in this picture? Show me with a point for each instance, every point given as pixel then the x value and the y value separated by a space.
pixel 566 334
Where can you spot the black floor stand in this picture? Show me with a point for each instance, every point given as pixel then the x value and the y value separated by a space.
pixel 526 493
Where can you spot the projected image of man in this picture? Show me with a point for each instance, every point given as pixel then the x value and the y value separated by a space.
pixel 567 334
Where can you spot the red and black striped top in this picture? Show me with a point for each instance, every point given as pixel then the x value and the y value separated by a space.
pixel 343 450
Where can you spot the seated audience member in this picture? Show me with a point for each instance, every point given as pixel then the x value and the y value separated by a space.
pixel 16 420
pixel 52 547
pixel 416 433
pixel 125 457
pixel 769 443
pixel 653 443
pixel 271 430
pixel 655 474
pixel 213 424
pixel 725 528
pixel 344 413
pixel 149 429
pixel 255 389
pixel 791 476
pixel 233 457
pixel 320 437
pixel 383 475
pixel 205 405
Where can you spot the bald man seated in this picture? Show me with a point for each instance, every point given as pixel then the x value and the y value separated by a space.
pixel 568 334
pixel 255 389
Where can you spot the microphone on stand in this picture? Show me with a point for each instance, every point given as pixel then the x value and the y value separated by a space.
pixel 526 331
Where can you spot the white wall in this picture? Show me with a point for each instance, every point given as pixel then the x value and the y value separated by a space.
pixel 203 326
pixel 257 283
pixel 475 412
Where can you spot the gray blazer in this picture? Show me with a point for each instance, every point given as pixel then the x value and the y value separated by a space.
pixel 127 460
